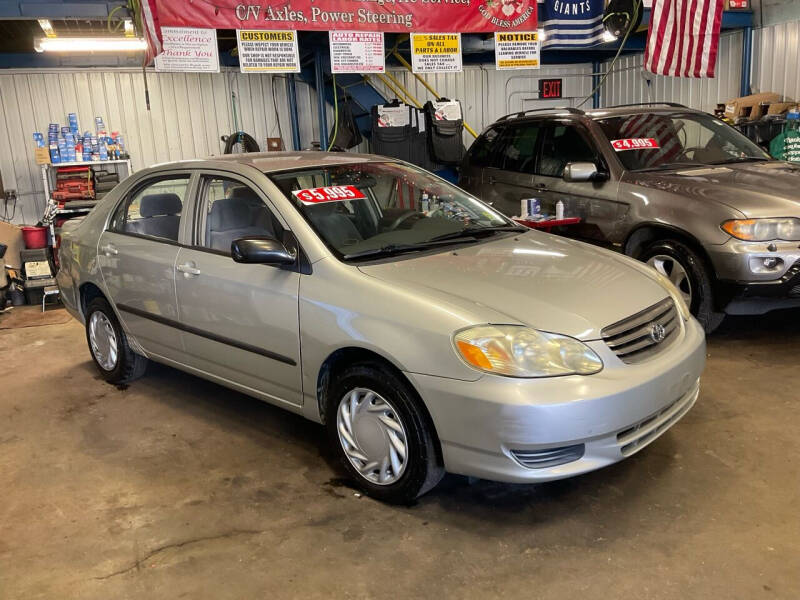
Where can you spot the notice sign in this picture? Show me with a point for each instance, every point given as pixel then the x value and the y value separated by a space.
pixel 262 51
pixel 436 52
pixel 516 50
pixel 357 51
pixel 188 50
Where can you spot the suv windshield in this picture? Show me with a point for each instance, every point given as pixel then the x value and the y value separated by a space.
pixel 372 209
pixel 659 141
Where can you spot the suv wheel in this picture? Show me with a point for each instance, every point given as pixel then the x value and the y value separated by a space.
pixel 687 271
pixel 383 439
pixel 108 344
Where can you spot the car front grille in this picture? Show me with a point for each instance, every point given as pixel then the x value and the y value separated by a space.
pixel 636 338
pixel 637 436
pixel 548 457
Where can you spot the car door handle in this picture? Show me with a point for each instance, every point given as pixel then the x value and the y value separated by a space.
pixel 109 250
pixel 188 269
pixel 539 186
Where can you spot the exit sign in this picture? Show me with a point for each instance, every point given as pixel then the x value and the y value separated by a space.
pixel 549 88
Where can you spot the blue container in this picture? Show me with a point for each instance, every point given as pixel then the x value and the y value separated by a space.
pixel 55 157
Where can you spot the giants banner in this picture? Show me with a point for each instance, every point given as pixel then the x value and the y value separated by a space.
pixel 402 16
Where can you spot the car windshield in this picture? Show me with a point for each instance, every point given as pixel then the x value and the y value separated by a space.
pixel 383 208
pixel 653 141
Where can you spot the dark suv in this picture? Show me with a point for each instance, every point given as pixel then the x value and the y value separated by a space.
pixel 675 187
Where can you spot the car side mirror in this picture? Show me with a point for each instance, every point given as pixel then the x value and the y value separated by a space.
pixel 261 250
pixel 576 172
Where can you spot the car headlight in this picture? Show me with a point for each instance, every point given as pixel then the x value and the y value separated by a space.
pixel 763 230
pixel 677 297
pixel 518 351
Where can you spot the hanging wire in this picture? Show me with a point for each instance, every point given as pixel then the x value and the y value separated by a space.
pixel 335 113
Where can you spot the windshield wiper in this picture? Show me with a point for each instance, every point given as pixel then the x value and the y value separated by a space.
pixel 392 249
pixel 672 165
pixel 738 159
pixel 472 231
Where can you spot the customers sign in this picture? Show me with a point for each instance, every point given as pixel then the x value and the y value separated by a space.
pixel 353 15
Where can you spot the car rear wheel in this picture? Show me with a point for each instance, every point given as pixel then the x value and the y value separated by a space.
pixel 688 272
pixel 384 440
pixel 109 346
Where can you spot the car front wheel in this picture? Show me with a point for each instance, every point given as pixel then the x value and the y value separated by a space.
pixel 383 439
pixel 108 344
pixel 687 271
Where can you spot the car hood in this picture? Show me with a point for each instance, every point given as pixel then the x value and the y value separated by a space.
pixel 756 189
pixel 548 282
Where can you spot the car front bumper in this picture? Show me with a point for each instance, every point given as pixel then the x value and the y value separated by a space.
pixel 492 427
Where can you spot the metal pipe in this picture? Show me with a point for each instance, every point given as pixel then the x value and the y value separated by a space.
pixel 319 77
pixel 436 95
pixel 291 96
pixel 595 84
pixel 747 60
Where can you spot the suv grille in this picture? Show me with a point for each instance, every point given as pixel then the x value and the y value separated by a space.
pixel 636 338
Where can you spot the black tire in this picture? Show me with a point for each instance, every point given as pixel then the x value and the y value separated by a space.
pixel 129 365
pixel 699 275
pixel 240 137
pixel 423 469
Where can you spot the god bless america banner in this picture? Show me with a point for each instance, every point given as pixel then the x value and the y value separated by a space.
pixel 403 16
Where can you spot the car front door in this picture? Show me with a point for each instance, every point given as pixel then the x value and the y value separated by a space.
pixel 137 254
pixel 595 202
pixel 239 321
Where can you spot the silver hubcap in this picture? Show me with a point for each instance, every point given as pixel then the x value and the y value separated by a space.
pixel 372 436
pixel 103 340
pixel 674 271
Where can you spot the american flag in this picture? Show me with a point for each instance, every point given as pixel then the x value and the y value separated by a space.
pixel 659 128
pixel 152 32
pixel 683 37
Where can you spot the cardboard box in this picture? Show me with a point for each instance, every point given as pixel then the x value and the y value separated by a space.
pixel 749 106
pixel 778 108
pixel 11 236
pixel 42 156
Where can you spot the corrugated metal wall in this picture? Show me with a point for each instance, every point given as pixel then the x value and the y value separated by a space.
pixel 776 59
pixel 629 82
pixel 487 94
pixel 189 113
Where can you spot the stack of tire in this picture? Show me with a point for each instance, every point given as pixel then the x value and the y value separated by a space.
pixel 104 182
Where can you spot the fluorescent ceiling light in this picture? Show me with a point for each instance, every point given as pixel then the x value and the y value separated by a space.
pixel 47 27
pixel 88 44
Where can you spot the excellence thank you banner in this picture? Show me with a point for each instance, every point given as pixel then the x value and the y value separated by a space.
pixel 420 16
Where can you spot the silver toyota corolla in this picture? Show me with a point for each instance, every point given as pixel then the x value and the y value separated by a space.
pixel 426 330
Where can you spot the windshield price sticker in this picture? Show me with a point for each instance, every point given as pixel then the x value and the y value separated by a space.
pixel 332 193
pixel 634 144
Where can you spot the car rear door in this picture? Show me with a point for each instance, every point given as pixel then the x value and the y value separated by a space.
pixel 510 176
pixel 595 202
pixel 136 255
pixel 239 321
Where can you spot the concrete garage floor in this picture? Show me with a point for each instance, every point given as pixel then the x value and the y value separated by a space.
pixel 175 487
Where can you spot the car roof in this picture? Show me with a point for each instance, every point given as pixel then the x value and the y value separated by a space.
pixel 597 113
pixel 271 162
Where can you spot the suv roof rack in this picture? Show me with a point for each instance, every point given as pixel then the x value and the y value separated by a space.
pixel 522 113
pixel 672 104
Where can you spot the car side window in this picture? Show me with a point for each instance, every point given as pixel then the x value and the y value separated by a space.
pixel 233 211
pixel 481 152
pixel 153 209
pixel 519 148
pixel 563 144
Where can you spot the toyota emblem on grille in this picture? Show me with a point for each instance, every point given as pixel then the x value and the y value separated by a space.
pixel 657 333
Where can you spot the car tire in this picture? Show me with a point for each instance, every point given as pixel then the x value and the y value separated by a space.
pixel 108 345
pixel 698 275
pixel 394 402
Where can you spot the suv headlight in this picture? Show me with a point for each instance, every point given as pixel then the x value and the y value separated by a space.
pixel 763 230
pixel 518 351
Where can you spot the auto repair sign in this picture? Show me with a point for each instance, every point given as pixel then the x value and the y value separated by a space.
pixel 404 16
